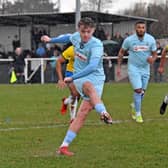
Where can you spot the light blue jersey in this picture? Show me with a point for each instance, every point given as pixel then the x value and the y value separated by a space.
pixel 139 50
pixel 87 53
pixel 88 65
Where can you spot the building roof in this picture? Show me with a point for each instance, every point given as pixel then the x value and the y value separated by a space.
pixel 54 18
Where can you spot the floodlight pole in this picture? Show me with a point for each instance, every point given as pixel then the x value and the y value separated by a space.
pixel 78 14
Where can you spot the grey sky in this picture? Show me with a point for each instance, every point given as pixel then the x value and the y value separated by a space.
pixel 69 5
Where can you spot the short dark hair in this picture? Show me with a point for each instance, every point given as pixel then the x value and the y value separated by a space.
pixel 139 22
pixel 87 22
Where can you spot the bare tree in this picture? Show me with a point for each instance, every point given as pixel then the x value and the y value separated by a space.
pixel 97 5
pixel 156 11
pixel 139 9
pixel 21 6
pixel 160 12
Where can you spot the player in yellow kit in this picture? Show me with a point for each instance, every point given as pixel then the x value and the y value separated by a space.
pixel 67 57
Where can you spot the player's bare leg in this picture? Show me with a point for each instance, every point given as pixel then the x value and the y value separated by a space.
pixel 71 101
pixel 74 128
pixel 97 103
pixel 74 103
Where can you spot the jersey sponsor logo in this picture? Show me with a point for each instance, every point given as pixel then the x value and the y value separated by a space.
pixel 140 48
pixel 81 56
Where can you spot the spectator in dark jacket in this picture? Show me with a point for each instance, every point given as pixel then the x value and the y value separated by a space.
pixel 19 64
pixel 15 43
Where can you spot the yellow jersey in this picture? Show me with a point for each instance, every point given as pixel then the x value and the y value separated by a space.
pixel 69 54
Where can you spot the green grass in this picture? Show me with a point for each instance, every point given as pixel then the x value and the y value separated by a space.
pixel 39 128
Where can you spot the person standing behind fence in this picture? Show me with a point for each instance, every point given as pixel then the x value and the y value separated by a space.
pixel 15 43
pixel 141 47
pixel 54 57
pixel 19 64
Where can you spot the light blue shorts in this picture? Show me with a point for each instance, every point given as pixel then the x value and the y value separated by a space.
pixel 98 85
pixel 138 79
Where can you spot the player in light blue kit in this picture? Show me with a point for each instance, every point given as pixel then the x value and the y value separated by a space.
pixel 141 47
pixel 88 77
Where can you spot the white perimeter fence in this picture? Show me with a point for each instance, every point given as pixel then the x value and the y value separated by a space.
pixel 37 63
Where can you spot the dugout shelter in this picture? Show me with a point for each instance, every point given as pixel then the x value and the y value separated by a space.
pixel 21 24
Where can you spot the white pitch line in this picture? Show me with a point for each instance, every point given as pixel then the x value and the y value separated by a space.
pixel 89 123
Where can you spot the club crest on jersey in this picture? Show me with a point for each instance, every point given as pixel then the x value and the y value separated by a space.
pixel 140 48
pixel 81 56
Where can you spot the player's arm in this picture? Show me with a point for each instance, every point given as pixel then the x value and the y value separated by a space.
pixel 64 38
pixel 120 57
pixel 162 61
pixel 96 54
pixel 151 59
pixel 92 66
pixel 59 62
pixel 125 47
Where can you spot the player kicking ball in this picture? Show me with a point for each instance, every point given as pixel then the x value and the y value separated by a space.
pixel 88 78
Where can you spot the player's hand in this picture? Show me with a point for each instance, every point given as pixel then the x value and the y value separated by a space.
pixel 68 79
pixel 150 60
pixel 45 39
pixel 118 71
pixel 61 84
pixel 160 70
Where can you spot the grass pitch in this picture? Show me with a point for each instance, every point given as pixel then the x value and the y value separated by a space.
pixel 32 128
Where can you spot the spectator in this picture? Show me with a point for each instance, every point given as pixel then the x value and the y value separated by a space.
pixel 2 51
pixel 117 37
pixel 41 51
pixel 35 38
pixel 99 33
pixel 15 43
pixel 19 64
pixel 49 50
pixel 108 69
pixel 55 55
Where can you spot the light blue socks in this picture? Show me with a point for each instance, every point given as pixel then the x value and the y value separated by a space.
pixel 138 102
pixel 100 108
pixel 70 136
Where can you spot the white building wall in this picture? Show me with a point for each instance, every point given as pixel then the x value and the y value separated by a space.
pixel 124 27
pixel 26 37
pixel 61 29
pixel 7 34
